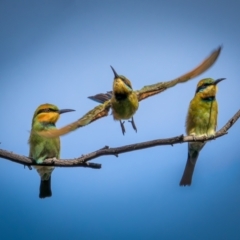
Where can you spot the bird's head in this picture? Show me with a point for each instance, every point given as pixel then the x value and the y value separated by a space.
pixel 48 113
pixel 121 84
pixel 207 87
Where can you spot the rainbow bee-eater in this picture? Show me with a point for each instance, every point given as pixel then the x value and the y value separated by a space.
pixel 126 89
pixel 44 118
pixel 125 101
pixel 201 121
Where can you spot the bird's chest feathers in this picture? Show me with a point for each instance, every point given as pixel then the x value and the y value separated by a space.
pixel 40 147
pixel 202 116
pixel 120 96
pixel 124 106
pixel 207 107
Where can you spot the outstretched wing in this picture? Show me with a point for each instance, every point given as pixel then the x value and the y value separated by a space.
pixel 147 91
pixel 151 90
pixel 91 116
pixel 101 97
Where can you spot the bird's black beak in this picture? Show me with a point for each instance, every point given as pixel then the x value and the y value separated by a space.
pixel 218 81
pixel 65 111
pixel 115 73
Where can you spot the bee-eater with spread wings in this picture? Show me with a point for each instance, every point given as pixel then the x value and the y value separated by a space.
pixel 109 100
pixel 125 101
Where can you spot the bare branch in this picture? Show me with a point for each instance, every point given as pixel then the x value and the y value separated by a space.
pixel 26 161
pixel 83 160
pixel 160 142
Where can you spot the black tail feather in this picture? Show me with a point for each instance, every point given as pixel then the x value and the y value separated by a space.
pixel 187 175
pixel 188 171
pixel 45 188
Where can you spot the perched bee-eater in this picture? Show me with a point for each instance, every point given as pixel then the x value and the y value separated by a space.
pixel 125 101
pixel 44 118
pixel 201 121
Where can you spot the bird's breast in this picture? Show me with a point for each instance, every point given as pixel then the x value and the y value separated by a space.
pixel 125 108
pixel 120 96
pixel 202 117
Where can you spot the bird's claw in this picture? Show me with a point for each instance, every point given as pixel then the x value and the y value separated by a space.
pixel 122 126
pixel 194 137
pixel 133 124
pixel 212 135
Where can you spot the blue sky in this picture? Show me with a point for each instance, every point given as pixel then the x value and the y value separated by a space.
pixel 60 53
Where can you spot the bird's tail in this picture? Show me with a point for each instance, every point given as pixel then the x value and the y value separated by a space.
pixel 101 97
pixel 45 184
pixel 45 188
pixel 188 171
pixel 193 152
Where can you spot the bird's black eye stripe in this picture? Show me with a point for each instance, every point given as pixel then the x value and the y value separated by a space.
pixel 127 83
pixel 46 110
pixel 203 87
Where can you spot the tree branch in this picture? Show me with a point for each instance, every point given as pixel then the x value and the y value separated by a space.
pixel 26 161
pixel 83 160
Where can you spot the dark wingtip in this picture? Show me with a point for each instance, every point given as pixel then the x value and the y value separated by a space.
pixel 101 97
pixel 95 99
pixel 219 49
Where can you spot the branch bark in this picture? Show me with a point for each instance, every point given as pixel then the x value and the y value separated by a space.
pixel 83 160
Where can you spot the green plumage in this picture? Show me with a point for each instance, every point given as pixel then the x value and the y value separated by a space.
pixel 124 101
pixel 124 108
pixel 201 120
pixel 41 148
